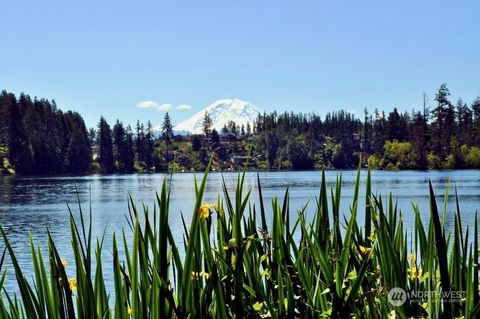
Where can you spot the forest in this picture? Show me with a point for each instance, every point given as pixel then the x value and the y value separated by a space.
pixel 36 137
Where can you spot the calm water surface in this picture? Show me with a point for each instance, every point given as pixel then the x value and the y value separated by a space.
pixel 35 204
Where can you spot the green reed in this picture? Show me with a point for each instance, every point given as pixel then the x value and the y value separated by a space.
pixel 236 264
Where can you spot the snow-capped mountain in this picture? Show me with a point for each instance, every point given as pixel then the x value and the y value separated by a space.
pixel 221 112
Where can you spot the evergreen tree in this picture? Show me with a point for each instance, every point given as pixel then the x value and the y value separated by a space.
pixel 224 129
pixel 196 143
pixel 78 157
pixel 367 133
pixel 129 159
pixel 140 143
pixel 464 122
pixel 420 140
pixel 78 153
pixel 442 117
pixel 167 132
pixel 92 136
pixel 207 124
pixel 105 158
pixel 379 133
pixel 149 146
pixel 272 149
pixel 19 153
pixel 214 137
pixel 120 146
pixel 475 136
pixel 249 129
pixel 298 155
pixel 167 128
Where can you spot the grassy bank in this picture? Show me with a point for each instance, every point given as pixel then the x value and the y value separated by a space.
pixel 238 264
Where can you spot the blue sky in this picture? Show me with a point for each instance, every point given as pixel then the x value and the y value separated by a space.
pixel 105 57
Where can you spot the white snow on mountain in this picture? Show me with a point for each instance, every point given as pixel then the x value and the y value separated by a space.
pixel 221 112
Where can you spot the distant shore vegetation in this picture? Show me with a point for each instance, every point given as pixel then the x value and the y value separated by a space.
pixel 36 137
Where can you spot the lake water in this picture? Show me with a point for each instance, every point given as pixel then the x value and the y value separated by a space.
pixel 35 204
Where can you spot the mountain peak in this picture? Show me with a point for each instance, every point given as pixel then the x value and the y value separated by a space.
pixel 221 112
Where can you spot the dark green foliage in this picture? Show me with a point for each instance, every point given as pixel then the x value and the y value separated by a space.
pixel 124 153
pixel 167 134
pixel 443 119
pixel 105 156
pixel 78 156
pixel 442 138
pixel 196 143
pixel 475 133
pixel 214 136
pixel 419 134
pixel 129 159
pixel 299 157
pixel 207 124
pixel 42 139
pixel 149 146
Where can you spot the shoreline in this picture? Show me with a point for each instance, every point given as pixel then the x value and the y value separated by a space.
pixel 238 171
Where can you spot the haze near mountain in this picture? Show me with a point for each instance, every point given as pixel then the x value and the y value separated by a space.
pixel 221 112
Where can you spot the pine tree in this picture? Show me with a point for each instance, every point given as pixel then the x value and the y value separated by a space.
pixel 420 139
pixel 249 129
pixel 443 118
pixel 196 143
pixel 207 124
pixel 167 133
pixel 140 143
pixel 78 157
pixel 129 159
pixel 367 133
pixel 120 147
pixel 271 149
pixel 149 146
pixel 78 153
pixel 379 133
pixel 92 136
pixel 464 122
pixel 19 152
pixel 105 158
pixel 214 137
pixel 475 136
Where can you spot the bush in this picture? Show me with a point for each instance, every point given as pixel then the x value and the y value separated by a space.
pixel 398 155
pixel 374 162
pixel 472 159
pixel 433 161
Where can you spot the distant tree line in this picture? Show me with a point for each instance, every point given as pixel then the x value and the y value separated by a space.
pixel 38 138
pixel 122 150
pixel 445 136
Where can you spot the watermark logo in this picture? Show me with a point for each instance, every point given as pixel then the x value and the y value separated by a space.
pixel 397 296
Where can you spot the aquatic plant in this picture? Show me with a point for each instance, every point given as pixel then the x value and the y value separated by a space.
pixel 238 264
